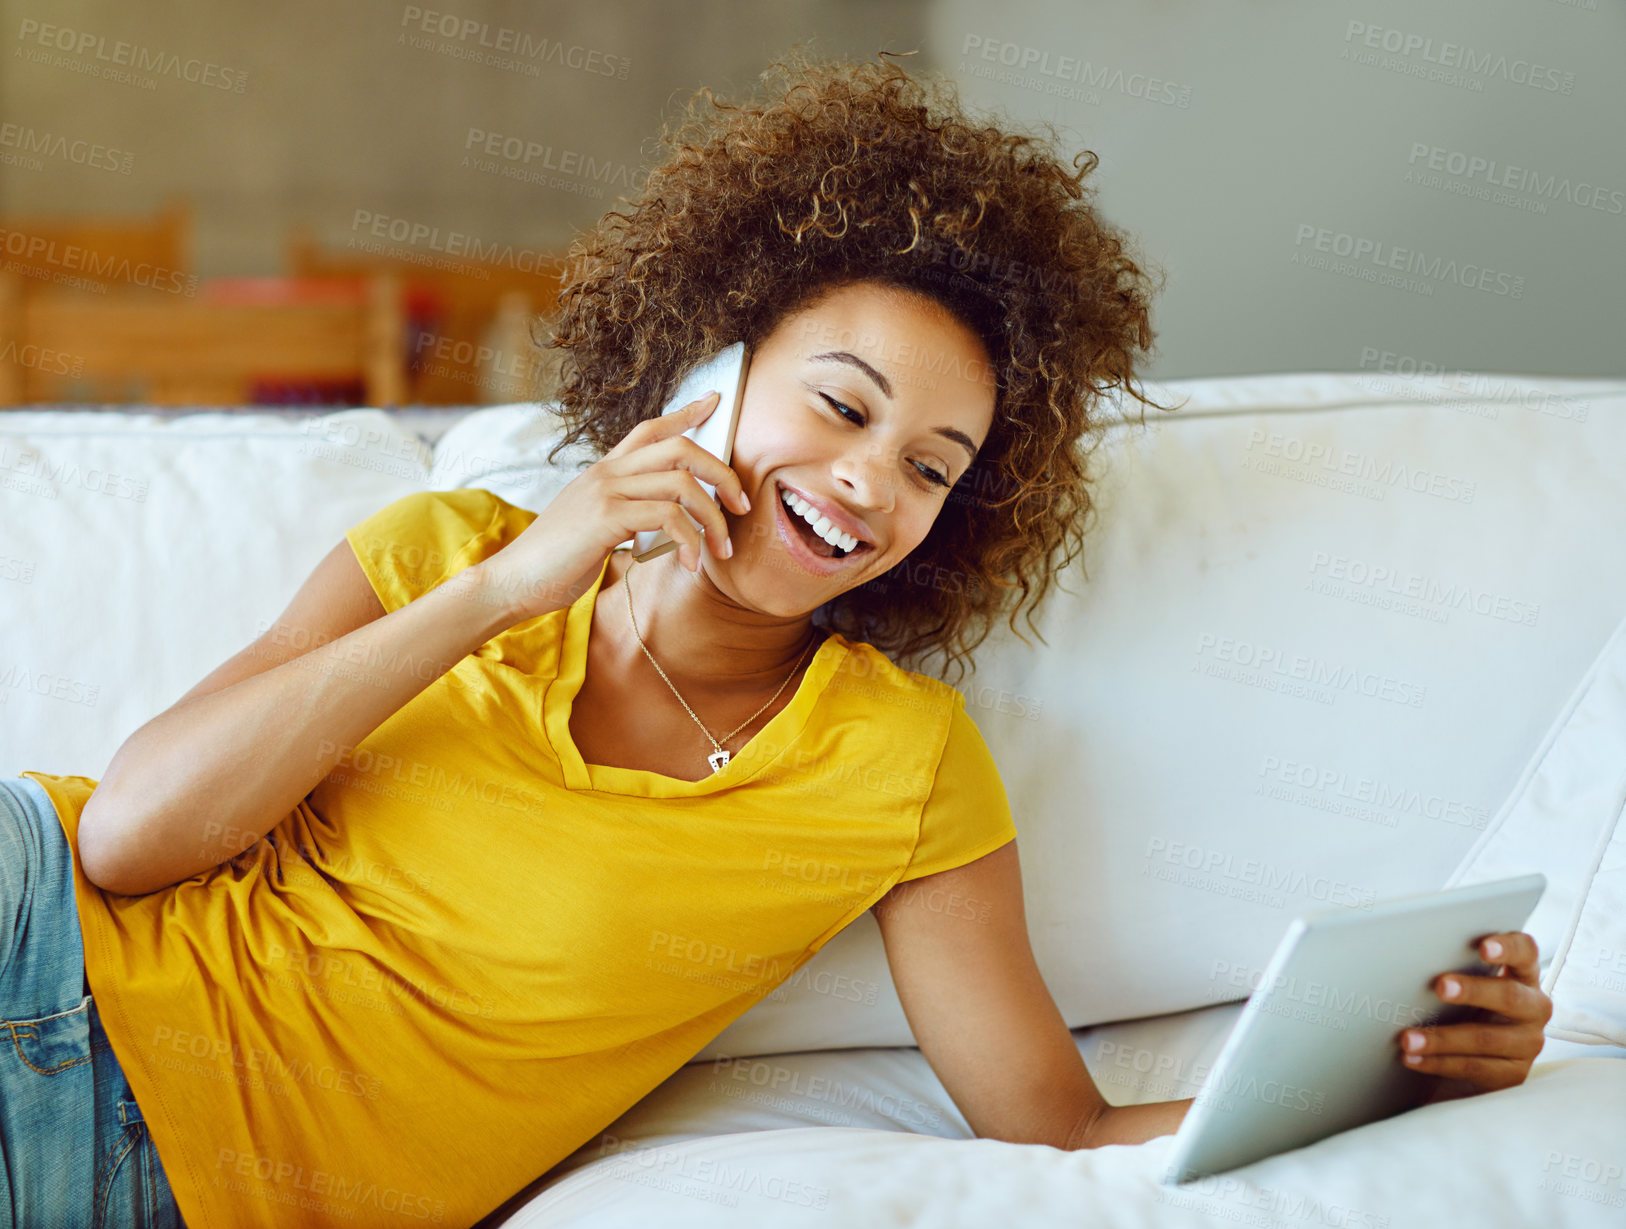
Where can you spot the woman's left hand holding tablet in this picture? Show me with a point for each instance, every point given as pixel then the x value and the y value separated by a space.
pixel 1494 1047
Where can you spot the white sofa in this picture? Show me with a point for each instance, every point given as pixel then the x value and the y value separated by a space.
pixel 1342 637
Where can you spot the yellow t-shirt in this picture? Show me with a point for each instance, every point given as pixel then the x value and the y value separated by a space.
pixel 466 951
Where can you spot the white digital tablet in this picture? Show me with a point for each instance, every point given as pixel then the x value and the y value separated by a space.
pixel 1314 1051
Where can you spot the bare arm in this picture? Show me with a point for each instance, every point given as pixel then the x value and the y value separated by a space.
pixel 985 1020
pixel 992 1033
pixel 217 770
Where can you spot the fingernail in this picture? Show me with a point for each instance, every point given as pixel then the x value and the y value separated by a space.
pixel 1414 1041
pixel 728 548
pixel 1493 947
pixel 1412 1060
pixel 1451 988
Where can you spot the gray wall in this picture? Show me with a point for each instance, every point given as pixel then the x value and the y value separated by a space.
pixel 1274 139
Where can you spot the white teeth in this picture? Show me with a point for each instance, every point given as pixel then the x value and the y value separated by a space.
pixel 820 523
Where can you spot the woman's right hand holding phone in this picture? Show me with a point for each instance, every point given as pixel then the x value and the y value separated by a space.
pixel 646 482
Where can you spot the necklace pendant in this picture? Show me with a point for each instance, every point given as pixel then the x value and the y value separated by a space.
pixel 718 760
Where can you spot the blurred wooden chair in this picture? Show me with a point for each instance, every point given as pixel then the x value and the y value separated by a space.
pixel 468 319
pixel 101 251
pixel 238 341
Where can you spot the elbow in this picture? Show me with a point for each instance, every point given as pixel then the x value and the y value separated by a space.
pixel 107 881
pixel 102 871
pixel 120 880
pixel 99 856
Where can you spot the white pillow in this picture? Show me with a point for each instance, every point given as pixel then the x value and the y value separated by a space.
pixel 1564 819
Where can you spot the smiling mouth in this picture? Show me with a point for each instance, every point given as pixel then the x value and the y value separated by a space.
pixel 815 543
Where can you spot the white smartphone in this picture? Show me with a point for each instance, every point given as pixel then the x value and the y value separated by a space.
pixel 724 371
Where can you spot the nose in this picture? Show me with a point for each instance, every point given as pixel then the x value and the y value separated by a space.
pixel 867 472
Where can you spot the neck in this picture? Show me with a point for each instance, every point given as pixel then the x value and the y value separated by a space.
pixel 704 640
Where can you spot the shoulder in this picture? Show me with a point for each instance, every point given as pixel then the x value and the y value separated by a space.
pixel 414 543
pixel 439 523
pixel 867 672
pixel 967 813
pixel 472 507
pixel 965 762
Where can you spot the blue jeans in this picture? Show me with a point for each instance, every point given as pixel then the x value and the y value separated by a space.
pixel 74 1149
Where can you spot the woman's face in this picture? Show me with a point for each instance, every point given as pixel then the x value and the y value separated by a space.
pixel 870 404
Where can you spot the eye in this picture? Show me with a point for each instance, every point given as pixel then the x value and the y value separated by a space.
pixel 931 475
pixel 844 409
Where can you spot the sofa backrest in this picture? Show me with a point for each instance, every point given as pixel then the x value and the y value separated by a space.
pixel 1326 621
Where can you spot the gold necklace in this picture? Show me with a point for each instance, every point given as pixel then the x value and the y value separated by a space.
pixel 718 759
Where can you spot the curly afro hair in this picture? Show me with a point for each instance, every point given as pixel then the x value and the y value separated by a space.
pixel 860 172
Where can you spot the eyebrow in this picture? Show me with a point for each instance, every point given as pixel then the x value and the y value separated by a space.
pixel 885 385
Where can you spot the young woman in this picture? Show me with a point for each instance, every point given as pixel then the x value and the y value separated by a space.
pixel 494 830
